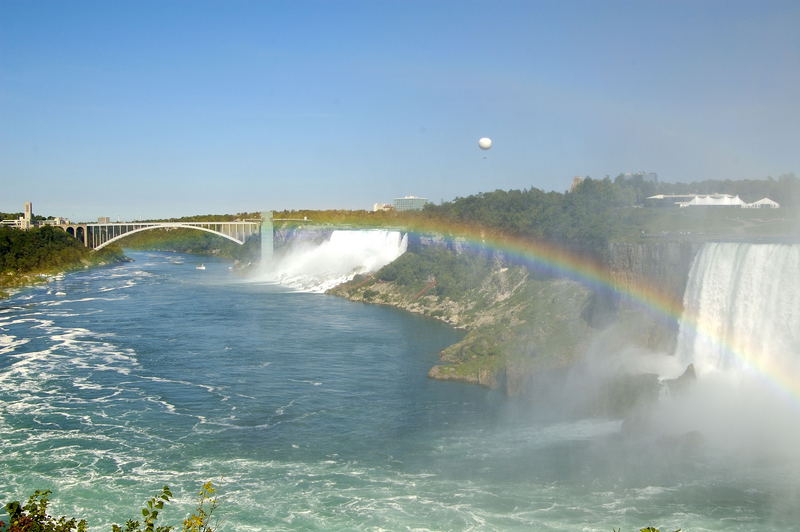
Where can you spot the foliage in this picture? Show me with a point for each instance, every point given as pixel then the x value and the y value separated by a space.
pixel 200 520
pixel 18 215
pixel 45 249
pixel 454 274
pixel 209 218
pixel 584 219
pixel 183 240
pixel 342 217
pixel 38 249
pixel 33 517
pixel 150 514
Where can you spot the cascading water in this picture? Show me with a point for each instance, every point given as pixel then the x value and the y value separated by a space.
pixel 742 309
pixel 741 330
pixel 321 266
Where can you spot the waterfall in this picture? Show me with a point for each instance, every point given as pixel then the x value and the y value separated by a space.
pixel 745 300
pixel 317 267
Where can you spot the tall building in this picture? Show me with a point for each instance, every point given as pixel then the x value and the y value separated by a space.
pixel 27 219
pixel 409 203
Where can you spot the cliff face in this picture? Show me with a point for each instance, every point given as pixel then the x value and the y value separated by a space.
pixel 521 328
pixel 285 234
pixel 655 263
pixel 518 327
pixel 660 265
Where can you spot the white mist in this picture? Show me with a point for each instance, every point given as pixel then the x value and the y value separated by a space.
pixel 321 266
pixel 742 333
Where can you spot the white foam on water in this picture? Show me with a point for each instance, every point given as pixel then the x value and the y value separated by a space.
pixel 9 343
pixel 127 284
pixel 81 300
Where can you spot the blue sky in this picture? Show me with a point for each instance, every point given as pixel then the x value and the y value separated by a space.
pixel 154 109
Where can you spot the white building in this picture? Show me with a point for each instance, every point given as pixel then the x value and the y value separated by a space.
pixel 763 203
pixel 409 203
pixel 713 200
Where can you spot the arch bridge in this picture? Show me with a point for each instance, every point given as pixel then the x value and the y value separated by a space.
pixel 99 235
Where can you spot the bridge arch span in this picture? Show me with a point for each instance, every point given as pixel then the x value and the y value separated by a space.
pixel 167 226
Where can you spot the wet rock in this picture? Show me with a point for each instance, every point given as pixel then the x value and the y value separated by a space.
pixel 679 385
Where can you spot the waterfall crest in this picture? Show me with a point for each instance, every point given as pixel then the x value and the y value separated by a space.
pixel 317 267
pixel 745 299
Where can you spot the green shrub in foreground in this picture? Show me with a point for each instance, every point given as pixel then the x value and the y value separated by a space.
pixel 33 516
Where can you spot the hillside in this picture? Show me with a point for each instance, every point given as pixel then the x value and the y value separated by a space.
pixel 27 257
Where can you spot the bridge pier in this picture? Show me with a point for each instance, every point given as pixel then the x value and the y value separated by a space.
pixel 267 244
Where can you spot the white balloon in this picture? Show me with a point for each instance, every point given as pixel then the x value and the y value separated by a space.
pixel 484 143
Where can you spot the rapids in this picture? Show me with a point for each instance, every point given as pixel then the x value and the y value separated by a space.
pixel 310 412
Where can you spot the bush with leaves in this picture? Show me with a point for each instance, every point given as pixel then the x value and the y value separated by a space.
pixel 33 516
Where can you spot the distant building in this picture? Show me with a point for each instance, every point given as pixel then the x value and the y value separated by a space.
pixel 103 220
pixel 376 207
pixel 26 221
pixel 27 217
pixel 409 203
pixel 709 200
pixel 668 200
pixel 763 203
pixel 577 180
pixel 23 222
pixel 58 220
pixel 713 200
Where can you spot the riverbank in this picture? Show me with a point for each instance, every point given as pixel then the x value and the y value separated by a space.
pixel 12 281
pixel 517 326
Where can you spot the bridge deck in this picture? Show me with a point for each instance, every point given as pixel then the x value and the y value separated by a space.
pixel 99 235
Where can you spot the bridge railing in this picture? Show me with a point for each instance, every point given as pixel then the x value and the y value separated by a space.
pixel 99 235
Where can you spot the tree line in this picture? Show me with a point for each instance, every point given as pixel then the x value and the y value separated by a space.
pixel 45 248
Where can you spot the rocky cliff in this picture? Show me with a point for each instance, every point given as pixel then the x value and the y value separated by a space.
pixel 665 264
pixel 519 326
pixel 660 264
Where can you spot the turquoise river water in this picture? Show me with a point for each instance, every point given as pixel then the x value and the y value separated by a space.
pixel 310 412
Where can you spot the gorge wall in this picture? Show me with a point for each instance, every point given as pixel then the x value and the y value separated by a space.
pixel 520 325
pixel 663 265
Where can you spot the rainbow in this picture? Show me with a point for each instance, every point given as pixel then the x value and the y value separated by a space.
pixel 596 275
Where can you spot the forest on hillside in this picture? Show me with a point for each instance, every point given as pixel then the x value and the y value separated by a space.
pixel 38 249
pixel 583 219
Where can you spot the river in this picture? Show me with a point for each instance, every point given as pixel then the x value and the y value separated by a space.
pixel 310 412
